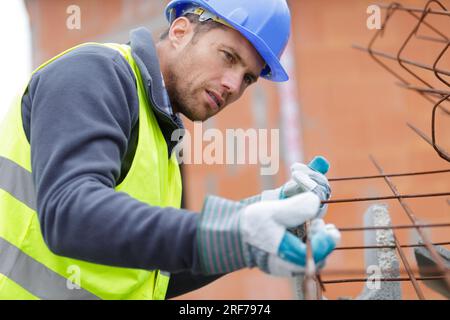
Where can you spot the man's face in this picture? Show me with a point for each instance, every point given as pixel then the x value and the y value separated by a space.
pixel 209 73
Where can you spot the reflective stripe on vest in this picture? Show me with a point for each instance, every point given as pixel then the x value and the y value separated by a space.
pixel 36 277
pixel 18 182
pixel 28 269
pixel 32 275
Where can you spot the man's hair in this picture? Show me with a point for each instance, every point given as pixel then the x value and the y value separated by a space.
pixel 200 26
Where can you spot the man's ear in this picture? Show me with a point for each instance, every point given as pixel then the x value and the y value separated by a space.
pixel 181 32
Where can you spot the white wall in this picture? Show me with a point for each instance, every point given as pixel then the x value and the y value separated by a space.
pixel 15 53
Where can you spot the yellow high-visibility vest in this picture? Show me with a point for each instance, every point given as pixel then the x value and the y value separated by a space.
pixel 28 269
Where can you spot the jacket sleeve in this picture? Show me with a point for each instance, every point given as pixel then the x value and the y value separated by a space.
pixel 82 110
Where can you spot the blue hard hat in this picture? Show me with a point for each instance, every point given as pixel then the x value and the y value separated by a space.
pixel 265 24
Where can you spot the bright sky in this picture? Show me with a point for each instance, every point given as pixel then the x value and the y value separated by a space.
pixel 15 55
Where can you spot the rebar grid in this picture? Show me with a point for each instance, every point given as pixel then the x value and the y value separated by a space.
pixel 399 247
pixel 442 269
pixel 415 225
pixel 428 92
pixel 439 260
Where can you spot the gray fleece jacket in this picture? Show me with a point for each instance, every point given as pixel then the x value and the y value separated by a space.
pixel 80 115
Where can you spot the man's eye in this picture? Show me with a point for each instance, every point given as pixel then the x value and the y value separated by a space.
pixel 248 79
pixel 228 56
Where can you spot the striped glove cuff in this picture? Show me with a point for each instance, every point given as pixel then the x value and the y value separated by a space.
pixel 218 237
pixel 251 200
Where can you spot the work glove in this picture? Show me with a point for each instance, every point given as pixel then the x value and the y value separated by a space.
pixel 304 178
pixel 232 236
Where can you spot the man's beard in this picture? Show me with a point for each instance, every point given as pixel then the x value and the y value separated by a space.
pixel 181 98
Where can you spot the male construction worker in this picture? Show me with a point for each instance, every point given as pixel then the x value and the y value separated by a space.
pixel 90 189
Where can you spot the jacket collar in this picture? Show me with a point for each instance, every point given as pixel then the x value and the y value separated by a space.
pixel 144 53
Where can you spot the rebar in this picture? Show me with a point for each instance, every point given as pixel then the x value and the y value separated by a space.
pixel 402 60
pixel 389 247
pixel 425 90
pixel 404 226
pixel 312 284
pixel 439 261
pixel 381 279
pixel 399 196
pixel 348 272
pixel 406 174
pixel 410 9
pixel 442 153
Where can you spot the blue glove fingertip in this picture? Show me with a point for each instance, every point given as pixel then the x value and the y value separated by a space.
pixel 322 245
pixel 319 164
pixel 292 249
pixel 282 195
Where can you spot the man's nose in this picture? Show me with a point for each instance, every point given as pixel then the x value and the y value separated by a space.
pixel 232 82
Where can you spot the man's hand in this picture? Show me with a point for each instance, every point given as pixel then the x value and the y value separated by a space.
pixel 304 179
pixel 257 236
